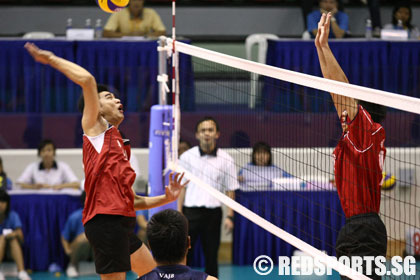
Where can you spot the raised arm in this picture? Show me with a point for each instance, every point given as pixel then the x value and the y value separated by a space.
pixel 78 75
pixel 331 69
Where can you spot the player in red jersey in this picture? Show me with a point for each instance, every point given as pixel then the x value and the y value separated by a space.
pixel 109 212
pixel 359 158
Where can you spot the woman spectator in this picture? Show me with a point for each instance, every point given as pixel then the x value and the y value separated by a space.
pixel 259 173
pixel 401 19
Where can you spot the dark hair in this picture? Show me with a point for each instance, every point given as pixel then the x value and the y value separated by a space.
pixel 167 234
pixel 186 142
pixel 5 197
pixel 100 88
pixel 264 147
pixel 376 111
pixel 396 8
pixel 44 143
pixel 207 118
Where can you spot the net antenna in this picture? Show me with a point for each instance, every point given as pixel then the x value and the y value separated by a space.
pixel 404 103
pixel 175 91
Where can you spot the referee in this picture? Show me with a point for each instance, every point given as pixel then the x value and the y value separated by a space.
pixel 204 213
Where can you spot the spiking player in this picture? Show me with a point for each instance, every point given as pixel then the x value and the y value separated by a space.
pixel 108 216
pixel 359 158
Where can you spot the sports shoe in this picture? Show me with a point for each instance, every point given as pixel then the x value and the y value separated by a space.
pixel 22 275
pixel 2 276
pixel 71 271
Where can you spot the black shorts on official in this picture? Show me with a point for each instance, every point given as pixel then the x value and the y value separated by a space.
pixel 113 240
pixel 362 235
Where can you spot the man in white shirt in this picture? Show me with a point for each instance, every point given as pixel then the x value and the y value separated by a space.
pixel 204 213
pixel 48 173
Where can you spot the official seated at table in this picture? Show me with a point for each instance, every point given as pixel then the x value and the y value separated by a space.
pixel 259 173
pixel 74 241
pixel 401 20
pixel 135 20
pixel 48 173
pixel 11 238
pixel 339 20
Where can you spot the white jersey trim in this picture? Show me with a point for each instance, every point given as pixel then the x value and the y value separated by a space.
pixel 98 140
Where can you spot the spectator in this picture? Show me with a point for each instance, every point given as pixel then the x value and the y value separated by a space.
pixel 135 20
pixel 339 20
pixel 183 147
pixel 402 13
pixel 11 238
pixel 167 233
pixel 204 213
pixel 259 173
pixel 49 173
pixel 5 182
pixel 375 15
pixel 74 241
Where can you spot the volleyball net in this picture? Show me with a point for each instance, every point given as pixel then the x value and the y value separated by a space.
pixel 278 130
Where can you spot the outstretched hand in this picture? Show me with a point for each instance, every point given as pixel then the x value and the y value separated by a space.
pixel 38 54
pixel 175 186
pixel 321 39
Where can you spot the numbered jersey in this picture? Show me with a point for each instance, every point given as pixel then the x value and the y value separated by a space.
pixel 108 175
pixel 412 241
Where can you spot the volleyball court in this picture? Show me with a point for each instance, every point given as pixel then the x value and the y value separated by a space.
pixel 290 202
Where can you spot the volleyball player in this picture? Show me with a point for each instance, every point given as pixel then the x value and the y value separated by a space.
pixel 167 234
pixel 359 158
pixel 109 214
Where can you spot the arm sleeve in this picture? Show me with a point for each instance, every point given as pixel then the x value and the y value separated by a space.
pixel 361 129
pixel 27 176
pixel 66 232
pixel 344 21
pixel 16 223
pixel 157 24
pixel 312 22
pixel 68 174
pixel 112 23
pixel 231 180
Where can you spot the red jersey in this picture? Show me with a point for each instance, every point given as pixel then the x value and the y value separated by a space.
pixel 108 175
pixel 359 158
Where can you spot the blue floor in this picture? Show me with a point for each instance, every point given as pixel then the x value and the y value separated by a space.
pixel 226 272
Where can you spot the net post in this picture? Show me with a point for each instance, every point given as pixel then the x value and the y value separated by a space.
pixel 162 69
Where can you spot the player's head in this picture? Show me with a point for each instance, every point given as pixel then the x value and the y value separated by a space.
pixel 261 154
pixel 136 7
pixel 183 146
pixel 376 111
pixel 46 150
pixel 207 132
pixel 328 5
pixel 4 202
pixel 110 106
pixel 167 234
pixel 402 11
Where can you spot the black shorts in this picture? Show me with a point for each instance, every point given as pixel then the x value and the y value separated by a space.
pixel 362 235
pixel 113 241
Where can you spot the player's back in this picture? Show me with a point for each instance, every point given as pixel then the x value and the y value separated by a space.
pixel 174 272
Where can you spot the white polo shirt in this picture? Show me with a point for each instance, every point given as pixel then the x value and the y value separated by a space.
pixel 34 173
pixel 218 170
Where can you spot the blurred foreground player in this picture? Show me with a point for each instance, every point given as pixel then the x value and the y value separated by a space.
pixel 167 234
